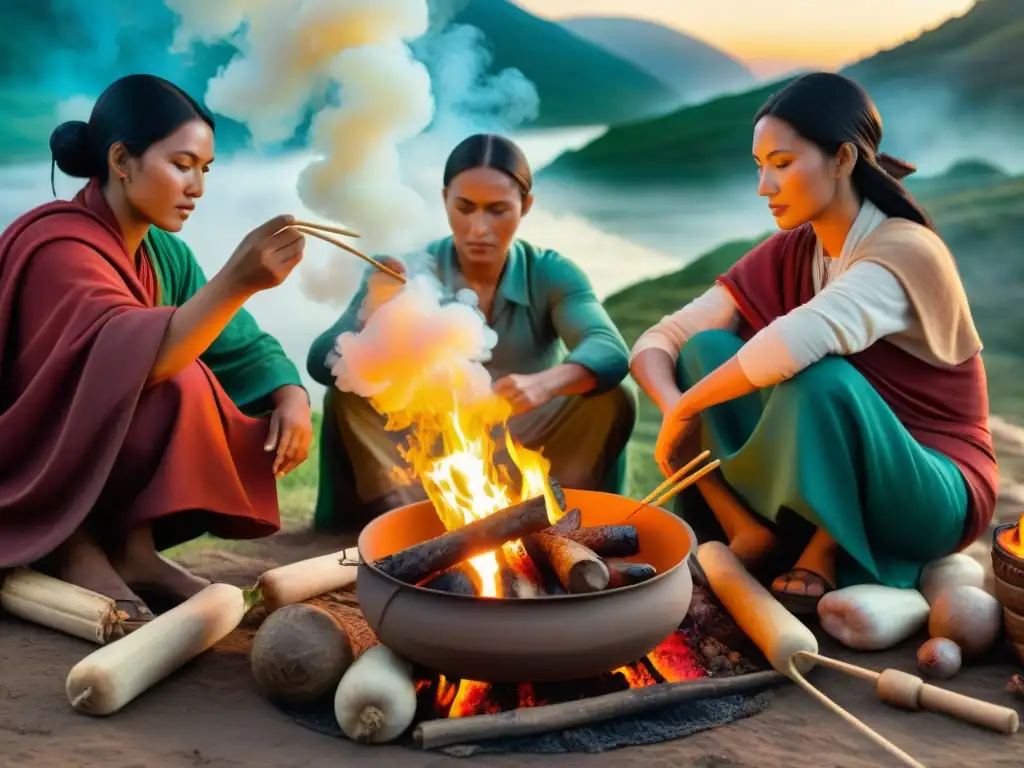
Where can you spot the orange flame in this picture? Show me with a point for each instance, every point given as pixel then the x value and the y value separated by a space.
pixel 1012 539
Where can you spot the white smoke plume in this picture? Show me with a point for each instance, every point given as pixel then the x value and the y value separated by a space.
pixel 417 351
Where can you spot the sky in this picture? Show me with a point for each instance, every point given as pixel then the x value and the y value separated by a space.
pixel 777 36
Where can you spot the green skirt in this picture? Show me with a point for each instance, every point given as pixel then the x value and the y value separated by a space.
pixel 823 448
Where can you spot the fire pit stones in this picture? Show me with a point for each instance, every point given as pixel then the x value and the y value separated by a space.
pixel 542 639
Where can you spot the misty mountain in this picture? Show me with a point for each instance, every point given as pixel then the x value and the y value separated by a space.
pixel 955 91
pixel 54 50
pixel 694 69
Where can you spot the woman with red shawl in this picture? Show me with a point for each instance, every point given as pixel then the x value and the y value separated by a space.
pixel 835 369
pixel 140 405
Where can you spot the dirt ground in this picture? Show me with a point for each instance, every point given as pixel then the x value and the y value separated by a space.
pixel 210 714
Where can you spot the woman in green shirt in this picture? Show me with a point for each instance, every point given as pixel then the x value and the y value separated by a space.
pixel 559 360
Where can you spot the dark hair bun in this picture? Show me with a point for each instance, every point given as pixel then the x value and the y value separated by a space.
pixel 72 150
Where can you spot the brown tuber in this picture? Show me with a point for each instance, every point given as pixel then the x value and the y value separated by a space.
pixel 299 654
pixel 968 616
pixel 939 658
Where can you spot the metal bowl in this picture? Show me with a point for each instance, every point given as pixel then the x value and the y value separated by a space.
pixel 541 639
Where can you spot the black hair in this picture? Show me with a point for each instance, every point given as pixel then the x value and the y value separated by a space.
pixel 830 110
pixel 489 150
pixel 137 110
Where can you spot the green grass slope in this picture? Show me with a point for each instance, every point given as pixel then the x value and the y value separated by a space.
pixel 980 213
pixel 691 67
pixel 964 79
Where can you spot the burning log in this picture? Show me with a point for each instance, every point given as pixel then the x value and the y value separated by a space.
pixel 627 574
pixel 457 581
pixel 559 494
pixel 607 540
pixel 420 561
pixel 556 717
pixel 567 523
pixel 578 568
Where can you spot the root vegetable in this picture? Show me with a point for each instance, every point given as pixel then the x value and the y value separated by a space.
pixel 939 658
pixel 376 699
pixel 55 604
pixel 956 570
pixel 111 677
pixel 306 579
pixel 968 616
pixel 299 655
pixel 870 617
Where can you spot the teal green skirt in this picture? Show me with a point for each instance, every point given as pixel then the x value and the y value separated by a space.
pixel 823 448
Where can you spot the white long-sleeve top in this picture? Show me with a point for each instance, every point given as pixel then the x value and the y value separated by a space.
pixel 853 307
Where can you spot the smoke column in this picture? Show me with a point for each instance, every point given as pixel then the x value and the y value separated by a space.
pixel 375 166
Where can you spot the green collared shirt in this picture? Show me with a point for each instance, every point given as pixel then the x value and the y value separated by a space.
pixel 544 313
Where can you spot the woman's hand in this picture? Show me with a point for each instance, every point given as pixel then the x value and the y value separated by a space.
pixel 674 427
pixel 524 391
pixel 381 287
pixel 291 429
pixel 266 256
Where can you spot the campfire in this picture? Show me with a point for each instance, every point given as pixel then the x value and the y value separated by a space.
pixel 673 661
pixel 1008 567
pixel 1011 538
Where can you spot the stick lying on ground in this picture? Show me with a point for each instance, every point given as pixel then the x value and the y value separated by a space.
pixel 297 582
pixel 554 717
pixel 420 561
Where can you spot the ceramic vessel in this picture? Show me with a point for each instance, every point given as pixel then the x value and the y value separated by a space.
pixel 541 639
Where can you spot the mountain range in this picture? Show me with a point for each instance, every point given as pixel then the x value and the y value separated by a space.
pixel 955 91
pixel 53 50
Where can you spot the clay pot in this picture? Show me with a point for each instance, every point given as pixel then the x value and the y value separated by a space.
pixel 541 639
pixel 1009 583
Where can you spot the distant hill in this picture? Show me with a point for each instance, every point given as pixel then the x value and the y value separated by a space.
pixel 694 69
pixel 981 220
pixel 54 49
pixel 953 91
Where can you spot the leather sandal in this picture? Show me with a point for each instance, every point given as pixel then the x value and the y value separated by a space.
pixel 801 602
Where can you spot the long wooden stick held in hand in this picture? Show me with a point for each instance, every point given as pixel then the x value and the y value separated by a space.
pixel 344 246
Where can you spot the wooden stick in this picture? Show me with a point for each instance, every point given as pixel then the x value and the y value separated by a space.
pixel 906 691
pixel 687 482
pixel 326 228
pixel 456 581
pixel 432 734
pixel 55 604
pixel 606 540
pixel 420 561
pixel 668 481
pixel 579 569
pixel 350 249
pixel 627 574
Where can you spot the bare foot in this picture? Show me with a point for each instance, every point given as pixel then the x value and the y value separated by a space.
pixel 141 566
pixel 82 562
pixel 751 545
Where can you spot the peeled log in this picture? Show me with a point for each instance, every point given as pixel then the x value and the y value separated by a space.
pixel 607 540
pixel 418 562
pixel 578 568
pixel 627 574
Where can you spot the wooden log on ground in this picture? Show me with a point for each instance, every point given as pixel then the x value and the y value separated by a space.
pixel 420 561
pixel 627 574
pixel 433 734
pixel 607 540
pixel 55 604
pixel 459 580
pixel 578 568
